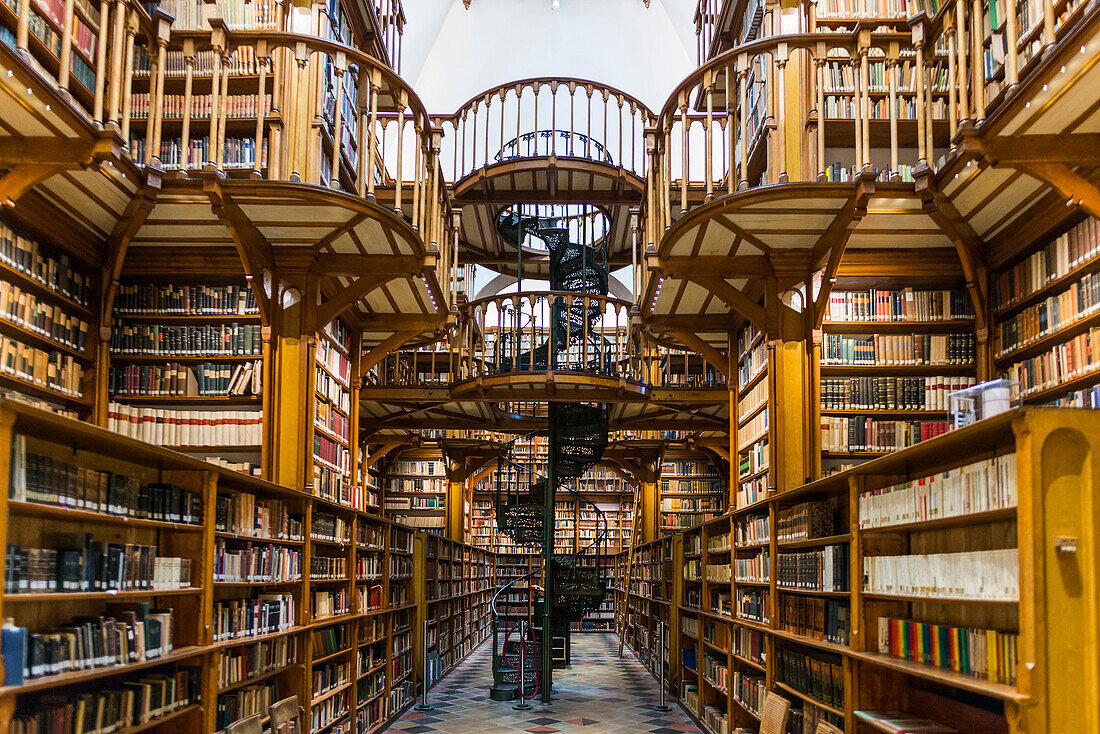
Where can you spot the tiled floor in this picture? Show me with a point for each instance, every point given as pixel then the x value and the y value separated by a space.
pixel 598 694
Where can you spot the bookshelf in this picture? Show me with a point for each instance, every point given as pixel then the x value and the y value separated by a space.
pixel 186 368
pixel 416 490
pixel 305 596
pixel 335 413
pixel 454 588
pixel 832 623
pixel 753 410
pixel 648 597
pixel 48 332
pixel 1047 328
pixel 889 358
pixel 692 491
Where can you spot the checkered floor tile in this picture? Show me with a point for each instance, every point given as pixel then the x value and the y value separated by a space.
pixel 597 694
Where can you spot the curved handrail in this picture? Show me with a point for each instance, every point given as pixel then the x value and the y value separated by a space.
pixel 477 132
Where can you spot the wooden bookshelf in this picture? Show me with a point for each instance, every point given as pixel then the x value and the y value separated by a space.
pixel 840 517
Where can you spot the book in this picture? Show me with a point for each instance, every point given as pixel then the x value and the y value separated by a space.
pixel 980 653
pixel 200 428
pixel 986 574
pixel 897 722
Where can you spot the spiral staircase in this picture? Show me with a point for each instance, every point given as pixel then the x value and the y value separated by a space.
pixel 577 436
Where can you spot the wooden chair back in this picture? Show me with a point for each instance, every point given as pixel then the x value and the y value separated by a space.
pixel 774 717
pixel 824 727
pixel 248 725
pixel 286 716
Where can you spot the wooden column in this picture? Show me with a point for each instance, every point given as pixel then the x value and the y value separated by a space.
pixel 455 501
pixel 292 399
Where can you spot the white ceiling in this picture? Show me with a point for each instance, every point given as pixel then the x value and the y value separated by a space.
pixel 451 53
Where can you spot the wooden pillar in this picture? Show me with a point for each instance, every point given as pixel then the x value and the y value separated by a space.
pixel 292 398
pixel 788 373
pixel 455 502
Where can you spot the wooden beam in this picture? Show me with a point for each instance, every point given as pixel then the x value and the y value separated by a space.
pixel 1068 183
pixel 698 323
pixel 67 153
pixel 692 341
pixel 134 216
pixel 402 322
pixel 381 451
pixel 378 353
pixel 732 297
pixel 347 297
pixel 717 265
pixel 326 263
pixel 829 248
pixel 21 179
pixel 1075 149
pixel 256 252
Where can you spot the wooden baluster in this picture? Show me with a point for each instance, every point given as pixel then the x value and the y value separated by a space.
pixel 926 106
pixel 922 154
pixel 128 72
pixel 857 102
pixel 666 163
pixel 417 168
pixel 891 74
pixel 1012 61
pixel 150 116
pixel 952 85
pixel 67 51
pixel 634 112
pixel 743 94
pixel 620 160
pixel 464 143
pixel 554 119
pixel 979 68
pixel 188 82
pixel 262 111
pixel 503 100
pixel 157 117
pixel 519 116
pixel 223 112
pixel 399 188
pixel 488 103
pixel 338 122
pixel 23 25
pixel 215 93
pixel 960 44
pixel 822 164
pixel 865 62
pixel 101 60
pixel 684 153
pixel 375 90
pixel 603 141
pixel 588 137
pixel 729 129
pixel 708 137
pixel 537 87
pixel 115 103
pixel 433 173
pixel 473 140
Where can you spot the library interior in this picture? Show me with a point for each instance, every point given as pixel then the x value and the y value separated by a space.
pixel 677 366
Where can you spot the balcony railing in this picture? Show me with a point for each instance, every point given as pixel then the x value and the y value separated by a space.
pixel 566 118
pixel 547 331
pixel 724 128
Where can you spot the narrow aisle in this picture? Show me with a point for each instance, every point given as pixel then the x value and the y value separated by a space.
pixel 598 694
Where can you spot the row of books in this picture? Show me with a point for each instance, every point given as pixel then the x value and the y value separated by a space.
pixel 751 530
pixel 751 364
pixel 860 433
pixel 241 513
pixel 331 453
pixel 754 605
pixel 824 569
pixel 1066 252
pixel 54 272
pixel 79 563
pixel 328 567
pixel 751 491
pixel 905 108
pixel 692 504
pixel 806 520
pixel 202 428
pixel 840 75
pixel 331 420
pixel 750 690
pixel 890 393
pixel 205 340
pixel 252 660
pixel 176 380
pixel 244 702
pixel 256 562
pixel 753 399
pixel 194 15
pixel 24 308
pixel 903 304
pixel 414 503
pixel 989 484
pixel 329 356
pixel 130 703
pixel 1079 301
pixel 756 568
pixel 838 172
pixel 49 369
pixel 148 299
pixel 980 653
pixel 899 349
pixel 236 152
pixel 817 675
pixel 821 619
pixel 332 390
pixel 328 527
pixel 433 485
pixel 1075 357
pixel 50 481
pixel 986 574
pixel 242 618
pixel 202 106
pixel 875 9
pixel 125 633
